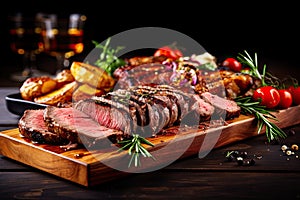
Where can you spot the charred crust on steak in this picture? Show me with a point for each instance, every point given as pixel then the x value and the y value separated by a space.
pixel 117 106
pixel 137 109
pixel 152 108
pixel 36 130
pixel 56 127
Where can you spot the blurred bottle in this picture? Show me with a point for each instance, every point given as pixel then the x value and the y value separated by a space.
pixel 63 37
pixel 26 41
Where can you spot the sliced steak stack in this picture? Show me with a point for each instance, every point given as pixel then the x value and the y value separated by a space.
pixel 147 110
pixel 76 126
pixel 62 126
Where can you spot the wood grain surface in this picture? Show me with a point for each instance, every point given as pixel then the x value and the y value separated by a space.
pixel 97 166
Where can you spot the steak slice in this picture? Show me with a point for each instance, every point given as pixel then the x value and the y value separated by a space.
pixel 201 108
pixel 155 73
pixel 76 126
pixel 179 99
pixel 32 126
pixel 107 113
pixel 186 103
pixel 158 114
pixel 222 105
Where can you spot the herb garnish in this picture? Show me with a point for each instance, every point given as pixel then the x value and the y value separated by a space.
pixel 135 148
pixel 253 65
pixel 265 77
pixel 107 59
pixel 250 106
pixel 263 116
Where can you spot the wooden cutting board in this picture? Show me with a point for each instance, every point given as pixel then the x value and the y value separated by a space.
pixel 92 167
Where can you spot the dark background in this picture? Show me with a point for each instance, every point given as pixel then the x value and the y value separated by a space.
pixel 223 28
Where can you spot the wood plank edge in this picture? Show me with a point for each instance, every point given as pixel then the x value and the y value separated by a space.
pixel 44 160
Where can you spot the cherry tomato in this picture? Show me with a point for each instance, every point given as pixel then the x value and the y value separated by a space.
pixel 268 95
pixel 286 99
pixel 177 53
pixel 232 64
pixel 295 91
pixel 168 52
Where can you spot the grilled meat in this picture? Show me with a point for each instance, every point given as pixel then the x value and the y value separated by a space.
pixel 155 73
pixel 75 126
pixel 144 101
pixel 36 130
pixel 227 109
pixel 149 109
pixel 145 70
pixel 225 83
pixel 145 109
pixel 66 127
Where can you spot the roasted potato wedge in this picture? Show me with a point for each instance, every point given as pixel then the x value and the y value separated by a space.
pixel 92 75
pixel 37 86
pixel 85 91
pixel 59 96
pixel 64 77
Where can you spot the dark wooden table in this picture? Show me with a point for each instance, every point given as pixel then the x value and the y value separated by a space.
pixel 274 176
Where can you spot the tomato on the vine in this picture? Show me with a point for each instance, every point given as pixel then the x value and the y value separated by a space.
pixel 232 64
pixel 295 91
pixel 268 95
pixel 286 99
pixel 169 52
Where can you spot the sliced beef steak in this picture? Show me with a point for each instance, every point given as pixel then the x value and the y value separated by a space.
pixel 146 110
pixel 76 126
pixel 32 126
pixel 107 113
pixel 224 107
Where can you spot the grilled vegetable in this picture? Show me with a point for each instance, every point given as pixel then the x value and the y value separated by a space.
pixel 61 95
pixel 108 59
pixel 64 77
pixel 37 86
pixel 85 91
pixel 94 76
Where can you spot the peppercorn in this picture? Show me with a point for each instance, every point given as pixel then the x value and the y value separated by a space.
pixel 240 160
pixel 235 153
pixel 244 154
pixel 252 162
pixel 249 162
pixel 284 147
pixel 295 147
pixel 288 152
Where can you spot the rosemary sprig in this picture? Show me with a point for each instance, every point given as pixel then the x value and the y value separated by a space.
pixel 263 116
pixel 252 107
pixel 252 63
pixel 108 60
pixel 265 77
pixel 135 148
